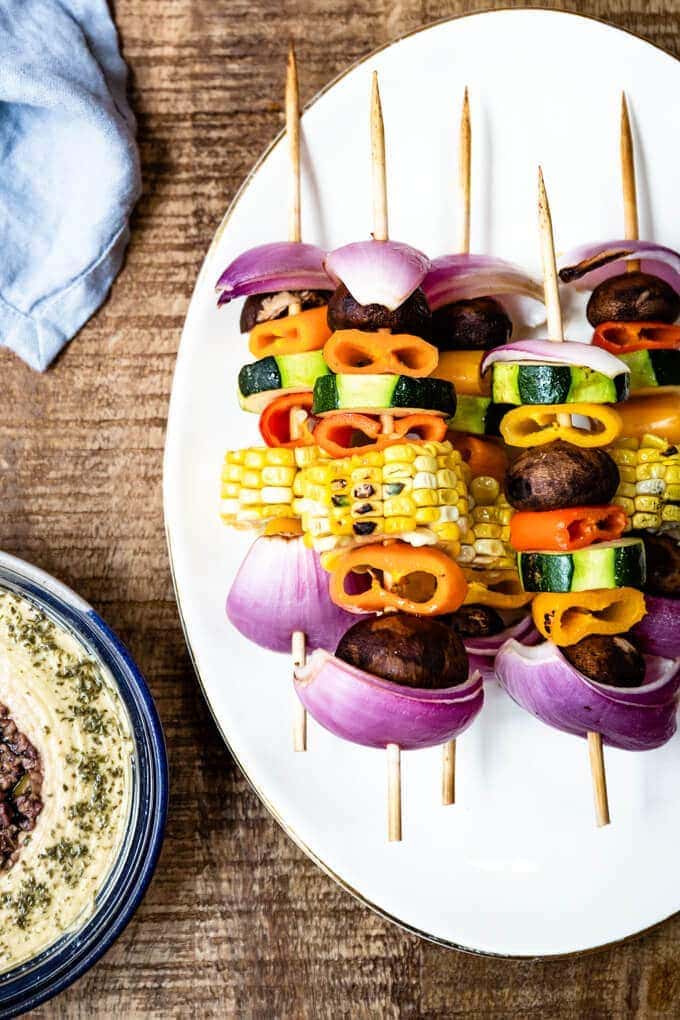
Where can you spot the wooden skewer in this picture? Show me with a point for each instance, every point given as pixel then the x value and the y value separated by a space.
pixel 630 207
pixel 381 233
pixel 464 195
pixel 298 638
pixel 556 333
pixel 378 165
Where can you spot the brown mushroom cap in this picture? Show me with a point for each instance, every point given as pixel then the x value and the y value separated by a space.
pixel 266 307
pixel 612 660
pixel 413 651
pixel 477 324
pixel 413 316
pixel 475 621
pixel 662 554
pixel 633 297
pixel 559 475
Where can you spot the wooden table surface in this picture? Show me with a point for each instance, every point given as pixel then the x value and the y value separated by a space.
pixel 237 921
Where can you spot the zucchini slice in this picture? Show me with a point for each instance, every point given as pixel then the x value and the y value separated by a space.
pixel 617 564
pixel 371 393
pixel 653 368
pixel 478 415
pixel 555 384
pixel 262 381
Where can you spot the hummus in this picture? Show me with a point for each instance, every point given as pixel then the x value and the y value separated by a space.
pixel 62 705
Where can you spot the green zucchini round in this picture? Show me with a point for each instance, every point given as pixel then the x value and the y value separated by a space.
pixel 263 381
pixel 618 564
pixel 478 416
pixel 653 368
pixel 376 393
pixel 514 383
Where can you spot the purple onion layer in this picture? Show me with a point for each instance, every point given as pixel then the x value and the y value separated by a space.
pixel 658 633
pixel 541 681
pixel 269 268
pixel 365 709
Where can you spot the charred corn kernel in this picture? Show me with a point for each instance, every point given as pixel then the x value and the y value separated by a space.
pixel 366 528
pixel 650 500
pixel 399 525
pixel 367 508
pixel 398 488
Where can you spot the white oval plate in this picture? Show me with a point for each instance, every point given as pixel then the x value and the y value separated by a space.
pixel 517 865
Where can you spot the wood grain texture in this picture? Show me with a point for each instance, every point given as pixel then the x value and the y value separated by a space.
pixel 237 923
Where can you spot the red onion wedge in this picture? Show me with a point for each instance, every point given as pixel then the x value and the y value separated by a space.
pixel 589 264
pixel 482 650
pixel 365 709
pixel 460 277
pixel 546 352
pixel 269 268
pixel 378 272
pixel 658 633
pixel 541 680
pixel 281 587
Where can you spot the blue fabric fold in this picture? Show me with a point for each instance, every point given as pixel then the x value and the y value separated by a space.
pixel 69 170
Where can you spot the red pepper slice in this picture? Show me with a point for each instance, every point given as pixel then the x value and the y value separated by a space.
pixel 337 433
pixel 275 421
pixel 627 337
pixel 564 530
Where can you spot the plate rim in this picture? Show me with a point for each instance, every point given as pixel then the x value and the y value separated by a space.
pixel 221 227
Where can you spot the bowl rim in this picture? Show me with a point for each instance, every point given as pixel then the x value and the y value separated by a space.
pixel 34 981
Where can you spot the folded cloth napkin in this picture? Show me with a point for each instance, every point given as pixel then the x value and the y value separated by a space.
pixel 69 170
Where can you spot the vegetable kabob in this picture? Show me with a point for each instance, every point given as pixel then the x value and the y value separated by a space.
pixel 386 492
pixel 585 678
pixel 467 323
pixel 279 598
pixel 633 313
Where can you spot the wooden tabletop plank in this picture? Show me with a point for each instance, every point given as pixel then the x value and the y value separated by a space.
pixel 237 921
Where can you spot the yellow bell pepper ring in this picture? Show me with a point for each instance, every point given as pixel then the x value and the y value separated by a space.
pixel 565 618
pixel 464 370
pixel 537 424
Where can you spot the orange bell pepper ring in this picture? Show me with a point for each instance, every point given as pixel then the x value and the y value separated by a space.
pixel 285 416
pixel 483 456
pixel 294 334
pixel 463 369
pixel 566 617
pixel 340 434
pixel 353 352
pixel 657 413
pixel 564 530
pixel 627 337
pixel 423 581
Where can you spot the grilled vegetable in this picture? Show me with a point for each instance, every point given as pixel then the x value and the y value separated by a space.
pixel 500 589
pixel 263 380
pixel 275 420
pixel 486 542
pixel 424 581
pixel 483 456
pixel 627 337
pixel 653 368
pixel 566 619
pixel 633 297
pixel 560 475
pixel 474 324
pixel 413 316
pixel 345 432
pixel 655 414
pixel 274 305
pixel 662 554
pixel 396 393
pixel 413 490
pixel 566 530
pixel 533 425
pixel 294 334
pixel 475 621
pixel 463 369
pixel 412 651
pixel 649 487
pixel 608 659
pixel 353 352
pixel 477 415
pixel 554 384
pixel 617 564
pixel 257 486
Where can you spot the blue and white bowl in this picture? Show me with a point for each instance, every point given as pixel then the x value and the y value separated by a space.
pixel 60 964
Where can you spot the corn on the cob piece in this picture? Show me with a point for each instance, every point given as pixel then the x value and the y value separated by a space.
pixel 487 540
pixel 649 487
pixel 414 491
pixel 258 486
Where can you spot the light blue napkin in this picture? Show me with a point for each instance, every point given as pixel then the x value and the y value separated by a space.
pixel 69 170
